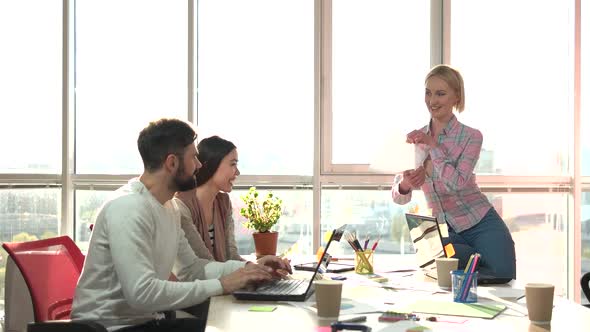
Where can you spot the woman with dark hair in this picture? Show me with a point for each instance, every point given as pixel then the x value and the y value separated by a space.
pixel 206 211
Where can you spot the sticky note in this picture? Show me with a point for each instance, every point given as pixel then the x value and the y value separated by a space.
pixel 262 308
pixel 450 250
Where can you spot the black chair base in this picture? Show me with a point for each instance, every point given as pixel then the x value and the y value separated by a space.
pixel 66 326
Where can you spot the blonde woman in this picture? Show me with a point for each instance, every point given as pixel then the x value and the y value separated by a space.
pixel 447 152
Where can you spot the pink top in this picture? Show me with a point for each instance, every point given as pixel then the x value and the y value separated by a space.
pixel 451 191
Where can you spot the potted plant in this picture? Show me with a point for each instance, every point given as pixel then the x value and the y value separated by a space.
pixel 261 217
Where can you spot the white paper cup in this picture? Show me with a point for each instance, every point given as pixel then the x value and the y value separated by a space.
pixel 539 302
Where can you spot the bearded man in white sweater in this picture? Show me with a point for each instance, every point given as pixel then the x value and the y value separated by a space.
pixel 137 241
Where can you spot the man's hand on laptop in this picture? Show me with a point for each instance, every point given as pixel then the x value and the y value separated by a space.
pixel 281 266
pixel 249 275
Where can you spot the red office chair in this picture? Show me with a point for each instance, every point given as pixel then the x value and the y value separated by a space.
pixel 51 268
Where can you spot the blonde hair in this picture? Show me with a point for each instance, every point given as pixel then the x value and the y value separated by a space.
pixel 454 79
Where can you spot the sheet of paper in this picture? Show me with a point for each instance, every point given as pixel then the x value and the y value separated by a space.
pixel 347 306
pixel 512 298
pixel 393 154
pixel 505 293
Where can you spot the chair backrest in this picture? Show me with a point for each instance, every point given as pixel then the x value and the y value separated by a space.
pixel 585 283
pixel 50 268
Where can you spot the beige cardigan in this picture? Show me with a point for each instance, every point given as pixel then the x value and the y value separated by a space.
pixel 197 240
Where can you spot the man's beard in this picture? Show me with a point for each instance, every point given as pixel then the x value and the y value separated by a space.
pixel 184 183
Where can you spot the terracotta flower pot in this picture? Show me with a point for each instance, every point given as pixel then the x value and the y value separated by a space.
pixel 265 243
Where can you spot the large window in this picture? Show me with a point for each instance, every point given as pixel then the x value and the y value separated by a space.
pixel 131 68
pixel 295 84
pixel 31 122
pixel 380 55
pixel 518 82
pixel 30 86
pixel 255 81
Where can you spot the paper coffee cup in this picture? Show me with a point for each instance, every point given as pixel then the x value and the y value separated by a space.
pixel 328 295
pixel 539 302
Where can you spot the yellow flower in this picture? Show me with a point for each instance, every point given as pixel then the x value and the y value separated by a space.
pixel 262 216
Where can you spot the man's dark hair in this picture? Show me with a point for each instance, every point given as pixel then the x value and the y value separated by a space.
pixel 211 152
pixel 161 138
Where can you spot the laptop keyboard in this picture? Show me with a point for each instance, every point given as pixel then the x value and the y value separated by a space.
pixel 281 287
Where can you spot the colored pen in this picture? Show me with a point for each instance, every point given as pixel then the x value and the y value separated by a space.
pixel 366 242
pixel 467 279
pixel 338 326
pixel 468 264
pixel 459 295
pixel 335 259
pixel 376 243
pixel 352 245
pixel 358 244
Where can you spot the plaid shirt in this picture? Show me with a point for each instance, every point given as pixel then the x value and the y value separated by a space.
pixel 451 191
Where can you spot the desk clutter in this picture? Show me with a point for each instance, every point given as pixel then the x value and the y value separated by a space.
pixel 401 297
pixel 404 303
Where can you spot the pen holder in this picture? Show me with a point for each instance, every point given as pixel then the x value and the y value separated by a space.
pixel 464 286
pixel 363 261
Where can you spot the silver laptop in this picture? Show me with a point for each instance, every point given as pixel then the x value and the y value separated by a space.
pixel 292 289
pixel 427 240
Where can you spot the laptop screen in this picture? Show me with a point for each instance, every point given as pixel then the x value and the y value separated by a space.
pixel 427 239
pixel 325 259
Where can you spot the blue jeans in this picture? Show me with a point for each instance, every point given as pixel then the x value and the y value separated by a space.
pixel 490 238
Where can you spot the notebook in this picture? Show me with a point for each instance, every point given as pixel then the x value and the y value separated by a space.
pixel 427 240
pixel 291 289
pixel 333 268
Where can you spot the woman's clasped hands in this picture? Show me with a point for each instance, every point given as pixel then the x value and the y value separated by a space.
pixel 420 137
pixel 413 179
